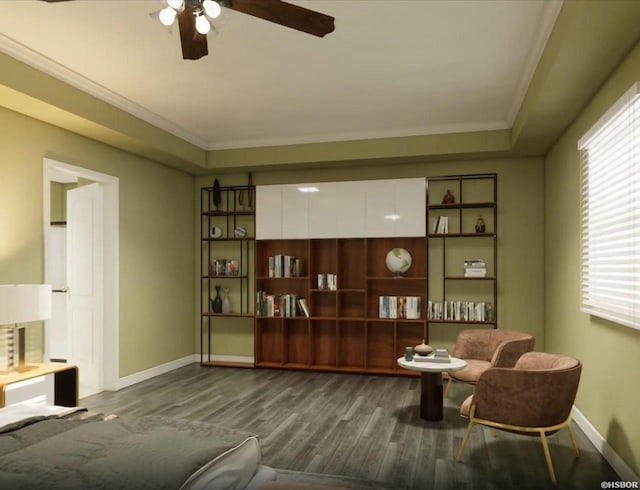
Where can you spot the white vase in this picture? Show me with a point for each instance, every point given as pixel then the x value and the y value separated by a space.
pixel 226 302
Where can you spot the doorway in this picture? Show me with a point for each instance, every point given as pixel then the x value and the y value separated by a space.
pixel 84 326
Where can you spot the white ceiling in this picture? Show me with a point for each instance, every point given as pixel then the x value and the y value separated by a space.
pixel 390 68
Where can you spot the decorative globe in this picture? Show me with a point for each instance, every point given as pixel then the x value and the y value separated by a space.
pixel 398 260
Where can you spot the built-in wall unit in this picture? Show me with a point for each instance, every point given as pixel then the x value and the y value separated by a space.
pixel 322 278
pixel 342 269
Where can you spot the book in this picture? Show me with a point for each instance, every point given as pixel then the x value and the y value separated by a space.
pixel 474 262
pixel 431 358
pixel 475 272
pixel 393 306
pixel 302 303
pixel 441 353
pixel 443 225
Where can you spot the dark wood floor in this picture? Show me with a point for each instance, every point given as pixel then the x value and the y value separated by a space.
pixel 359 426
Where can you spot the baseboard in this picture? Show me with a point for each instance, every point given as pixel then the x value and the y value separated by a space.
pixel 617 463
pixel 156 371
pixel 231 360
pixel 178 363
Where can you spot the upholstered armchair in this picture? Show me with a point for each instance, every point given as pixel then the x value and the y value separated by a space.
pixel 486 348
pixel 534 397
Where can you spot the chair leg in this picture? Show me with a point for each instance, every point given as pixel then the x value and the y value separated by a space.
pixel 547 456
pixel 446 390
pixel 464 441
pixel 573 441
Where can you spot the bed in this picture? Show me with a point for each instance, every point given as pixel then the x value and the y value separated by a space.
pixel 58 448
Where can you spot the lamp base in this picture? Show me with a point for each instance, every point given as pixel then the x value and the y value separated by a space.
pixel 22 348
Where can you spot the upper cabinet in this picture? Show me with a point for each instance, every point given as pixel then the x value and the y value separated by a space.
pixel 268 212
pixel 364 208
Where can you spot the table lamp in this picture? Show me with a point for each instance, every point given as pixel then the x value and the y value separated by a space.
pixel 7 326
pixel 22 303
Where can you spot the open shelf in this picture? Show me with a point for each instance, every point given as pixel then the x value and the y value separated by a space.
pixel 471 233
pixel 228 249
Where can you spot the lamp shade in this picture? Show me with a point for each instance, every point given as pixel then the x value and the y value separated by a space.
pixel 7 304
pixel 33 302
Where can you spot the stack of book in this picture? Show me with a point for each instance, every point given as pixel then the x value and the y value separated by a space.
pixel 460 311
pixel 441 225
pixel 327 281
pixel 475 268
pixel 223 267
pixel 285 266
pixel 401 307
pixel 287 305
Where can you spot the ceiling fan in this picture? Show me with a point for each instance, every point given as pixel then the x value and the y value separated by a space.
pixel 194 15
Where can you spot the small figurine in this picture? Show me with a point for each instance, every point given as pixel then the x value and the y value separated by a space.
pixel 217 198
pixel 448 198
pixel 480 226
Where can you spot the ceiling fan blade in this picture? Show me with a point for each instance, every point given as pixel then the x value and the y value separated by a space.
pixel 194 44
pixel 285 14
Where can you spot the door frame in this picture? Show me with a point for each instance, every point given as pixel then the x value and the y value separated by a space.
pixel 111 328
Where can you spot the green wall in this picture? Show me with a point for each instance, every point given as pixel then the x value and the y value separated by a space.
pixel 156 234
pixel 608 394
pixel 520 244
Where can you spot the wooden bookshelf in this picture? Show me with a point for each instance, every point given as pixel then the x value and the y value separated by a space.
pixel 343 332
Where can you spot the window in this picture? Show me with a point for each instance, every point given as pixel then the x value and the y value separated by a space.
pixel 610 157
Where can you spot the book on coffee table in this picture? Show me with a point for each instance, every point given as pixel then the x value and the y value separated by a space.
pixel 431 358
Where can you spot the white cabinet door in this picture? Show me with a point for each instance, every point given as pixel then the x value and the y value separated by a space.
pixel 380 208
pixel 322 211
pixel 351 200
pixel 268 212
pixel 295 212
pixel 410 207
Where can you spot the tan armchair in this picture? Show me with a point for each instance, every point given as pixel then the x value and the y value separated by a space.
pixel 486 348
pixel 533 398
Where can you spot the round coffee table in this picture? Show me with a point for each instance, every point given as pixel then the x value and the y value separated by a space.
pixel 431 397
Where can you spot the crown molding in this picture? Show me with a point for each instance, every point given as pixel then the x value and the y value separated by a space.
pixel 46 65
pixel 361 135
pixel 545 27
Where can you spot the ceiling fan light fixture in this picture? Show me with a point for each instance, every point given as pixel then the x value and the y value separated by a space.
pixel 167 16
pixel 202 24
pixel 212 8
pixel 175 4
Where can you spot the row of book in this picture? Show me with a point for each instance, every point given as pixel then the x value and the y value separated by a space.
pixel 328 281
pixel 460 310
pixel 401 307
pixel 475 268
pixel 441 225
pixel 285 266
pixel 288 305
pixel 223 267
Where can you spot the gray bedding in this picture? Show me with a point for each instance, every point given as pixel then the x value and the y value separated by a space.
pixel 145 453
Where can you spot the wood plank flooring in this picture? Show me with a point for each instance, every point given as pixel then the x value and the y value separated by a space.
pixel 359 426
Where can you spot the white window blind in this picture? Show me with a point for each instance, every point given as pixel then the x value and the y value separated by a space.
pixel 610 157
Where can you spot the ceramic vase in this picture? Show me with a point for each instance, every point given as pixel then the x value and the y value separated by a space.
pixel 226 302
pixel 217 301
pixel 423 349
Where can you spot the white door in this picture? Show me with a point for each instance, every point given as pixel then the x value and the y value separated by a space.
pixel 85 279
